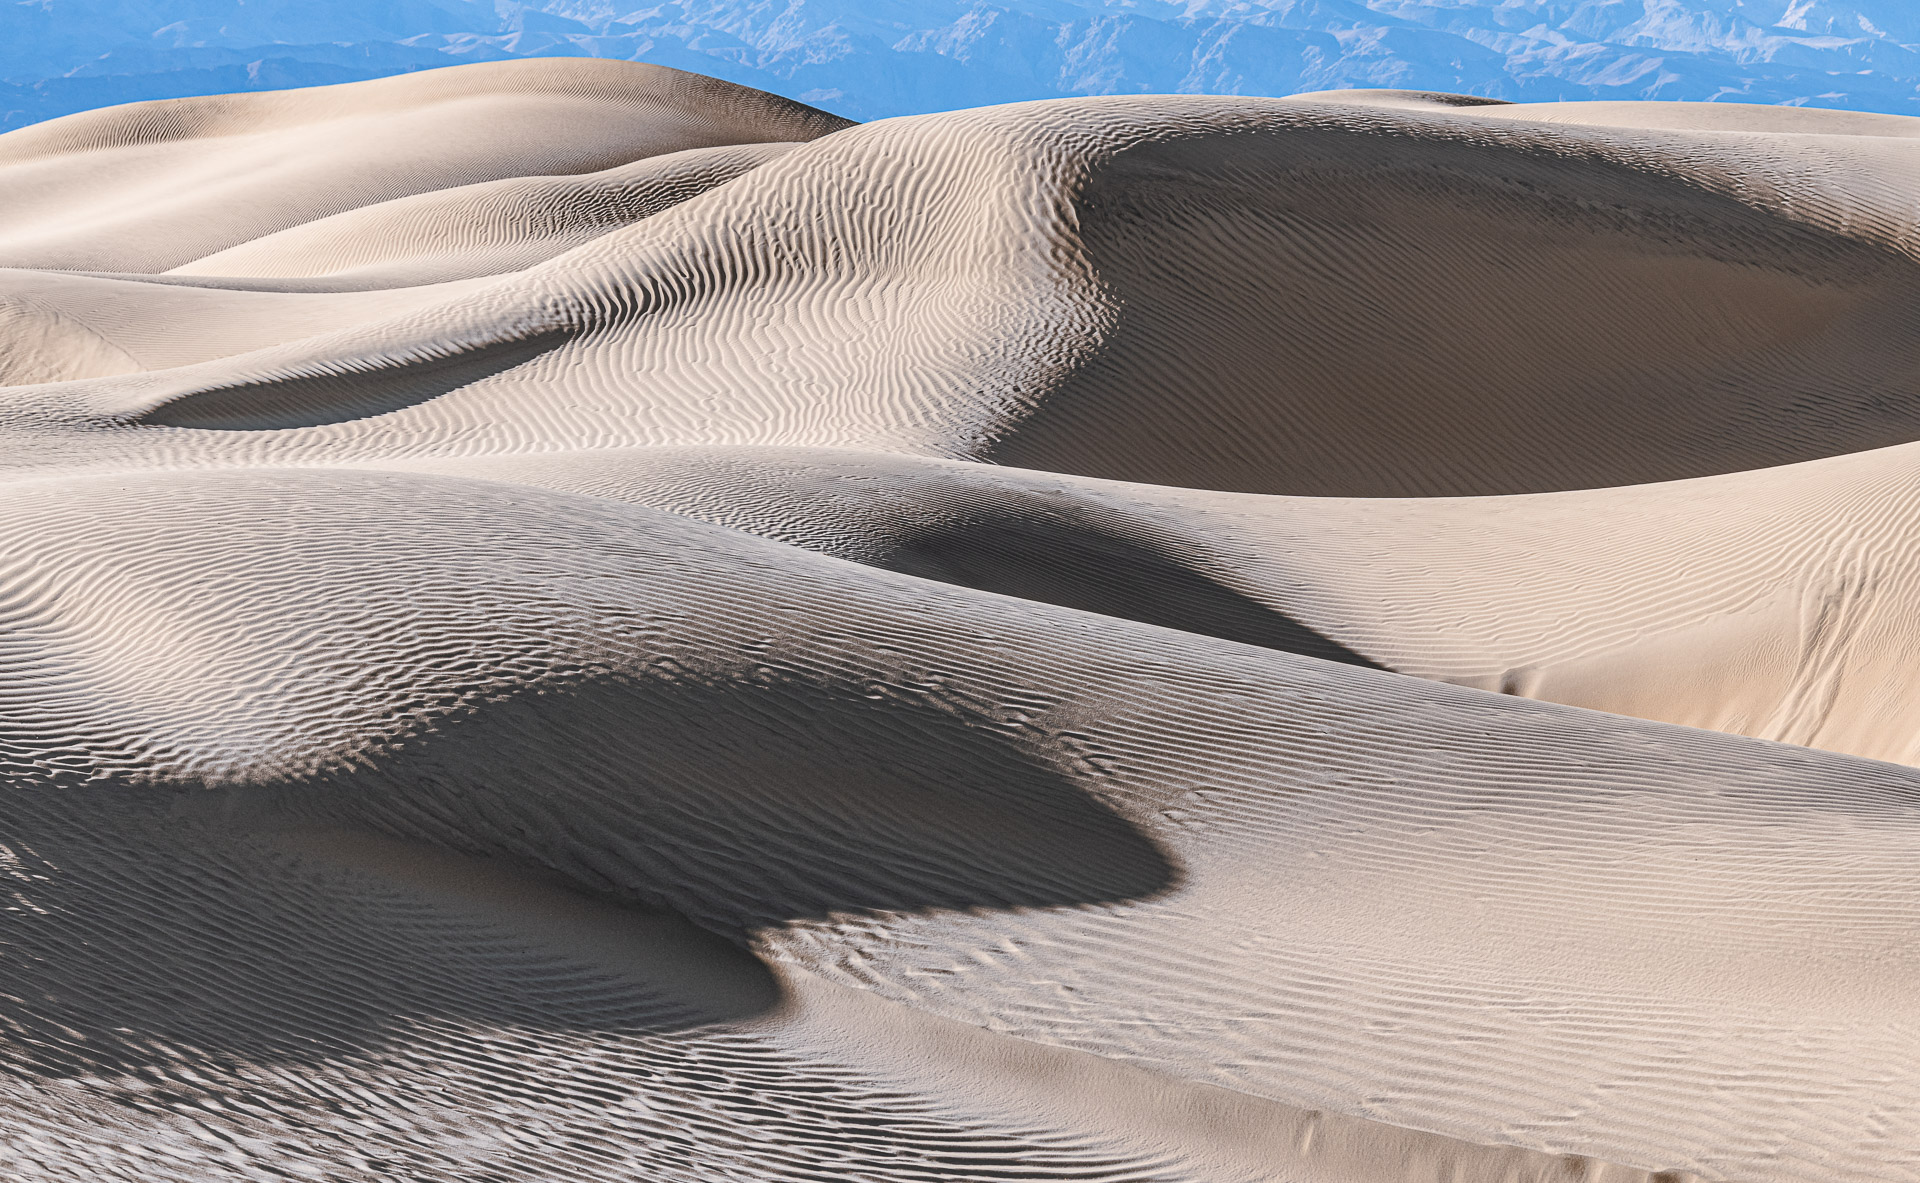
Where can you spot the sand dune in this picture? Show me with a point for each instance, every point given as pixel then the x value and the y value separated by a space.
pixel 151 186
pixel 1776 604
pixel 568 620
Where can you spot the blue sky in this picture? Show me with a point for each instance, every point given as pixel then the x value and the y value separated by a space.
pixel 869 59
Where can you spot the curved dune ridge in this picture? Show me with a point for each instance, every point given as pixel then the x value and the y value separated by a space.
pixel 568 620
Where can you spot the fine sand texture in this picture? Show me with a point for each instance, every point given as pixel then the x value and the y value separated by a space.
pixel 566 620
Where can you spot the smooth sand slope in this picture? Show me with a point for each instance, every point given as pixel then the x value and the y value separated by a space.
pixel 566 620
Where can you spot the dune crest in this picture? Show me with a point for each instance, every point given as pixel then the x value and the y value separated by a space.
pixel 564 619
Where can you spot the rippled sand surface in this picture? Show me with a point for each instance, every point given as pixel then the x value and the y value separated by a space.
pixel 565 620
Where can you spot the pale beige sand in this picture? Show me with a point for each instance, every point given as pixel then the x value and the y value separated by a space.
pixel 564 620
pixel 1780 604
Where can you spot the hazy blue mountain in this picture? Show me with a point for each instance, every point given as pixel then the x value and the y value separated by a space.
pixel 873 58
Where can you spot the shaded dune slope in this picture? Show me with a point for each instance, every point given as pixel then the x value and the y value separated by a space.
pixel 563 618
pixel 1354 310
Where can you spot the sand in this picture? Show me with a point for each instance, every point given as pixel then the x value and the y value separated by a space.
pixel 569 620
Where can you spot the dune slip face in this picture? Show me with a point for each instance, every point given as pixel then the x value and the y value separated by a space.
pixel 562 619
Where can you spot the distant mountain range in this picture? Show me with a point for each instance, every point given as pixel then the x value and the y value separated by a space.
pixel 868 59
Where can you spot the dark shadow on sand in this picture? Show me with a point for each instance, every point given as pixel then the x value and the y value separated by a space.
pixel 290 924
pixel 316 400
pixel 1016 552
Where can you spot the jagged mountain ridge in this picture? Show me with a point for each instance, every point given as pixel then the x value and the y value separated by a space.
pixel 870 59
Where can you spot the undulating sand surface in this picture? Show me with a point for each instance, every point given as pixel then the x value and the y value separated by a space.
pixel 566 620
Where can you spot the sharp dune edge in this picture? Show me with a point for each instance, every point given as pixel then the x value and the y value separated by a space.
pixel 569 620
